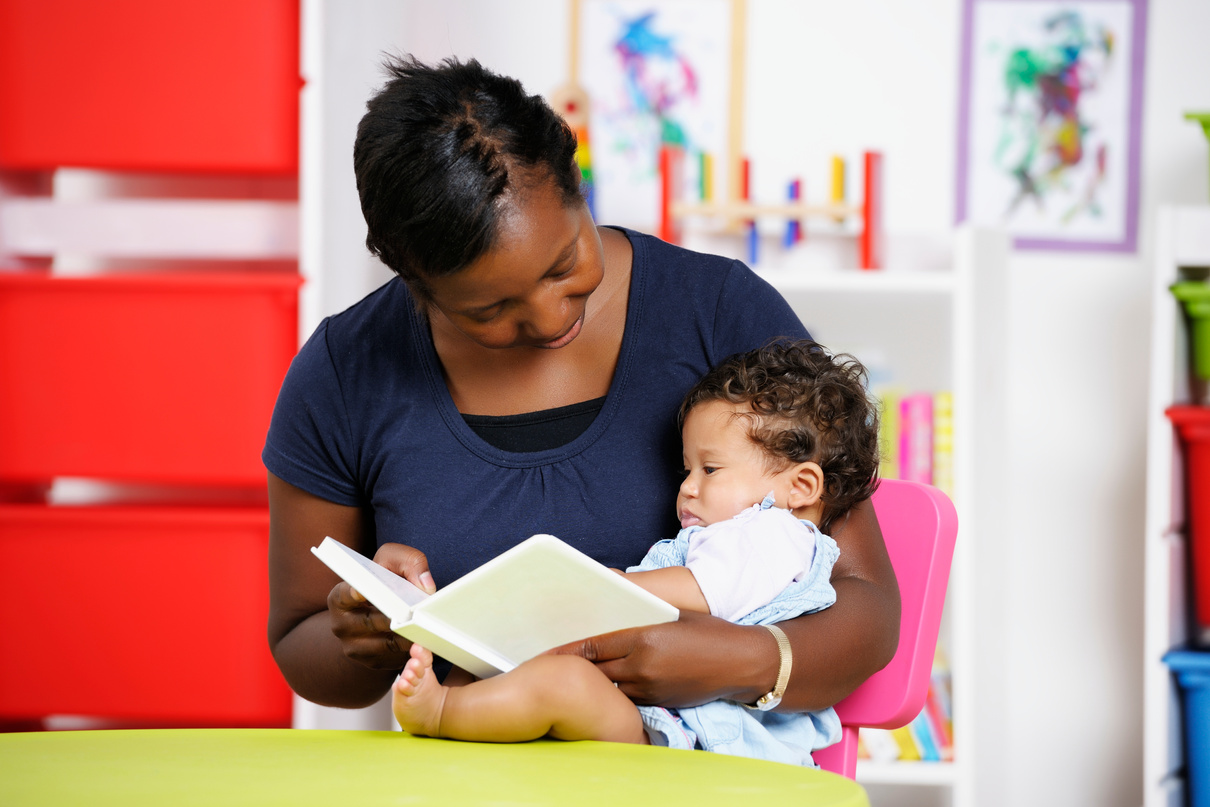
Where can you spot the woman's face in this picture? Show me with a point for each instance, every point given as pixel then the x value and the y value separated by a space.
pixel 532 288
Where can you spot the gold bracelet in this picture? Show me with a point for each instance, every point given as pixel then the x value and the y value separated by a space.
pixel 772 698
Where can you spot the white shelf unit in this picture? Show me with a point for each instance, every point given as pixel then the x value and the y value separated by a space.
pixel 934 330
pixel 1182 247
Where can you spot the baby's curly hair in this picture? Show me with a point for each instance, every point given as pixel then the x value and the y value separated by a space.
pixel 807 405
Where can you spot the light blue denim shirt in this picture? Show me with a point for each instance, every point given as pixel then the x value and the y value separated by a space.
pixel 726 727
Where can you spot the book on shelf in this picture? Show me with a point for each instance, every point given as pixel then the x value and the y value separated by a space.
pixel 538 595
pixel 909 749
pixel 928 737
pixel 928 743
pixel 943 441
pixel 916 437
pixel 877 745
pixel 939 706
pixel 888 433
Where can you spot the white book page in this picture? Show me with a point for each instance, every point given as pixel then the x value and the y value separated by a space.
pixel 389 592
pixel 540 594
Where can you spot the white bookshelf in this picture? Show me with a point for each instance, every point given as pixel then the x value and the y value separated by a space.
pixel 1182 243
pixel 933 330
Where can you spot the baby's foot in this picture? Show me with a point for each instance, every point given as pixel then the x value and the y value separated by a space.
pixel 417 697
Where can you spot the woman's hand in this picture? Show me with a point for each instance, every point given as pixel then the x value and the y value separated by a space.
pixel 697 659
pixel 365 632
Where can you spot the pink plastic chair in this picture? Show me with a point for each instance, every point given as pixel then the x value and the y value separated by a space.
pixel 919 525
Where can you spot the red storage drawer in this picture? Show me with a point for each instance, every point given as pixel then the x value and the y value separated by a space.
pixel 1192 425
pixel 138 613
pixel 148 85
pixel 157 378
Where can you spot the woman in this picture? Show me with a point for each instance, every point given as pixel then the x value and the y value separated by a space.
pixel 520 376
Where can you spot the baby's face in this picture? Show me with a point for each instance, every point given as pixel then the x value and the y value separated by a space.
pixel 725 470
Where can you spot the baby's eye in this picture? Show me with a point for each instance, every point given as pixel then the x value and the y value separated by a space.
pixel 708 470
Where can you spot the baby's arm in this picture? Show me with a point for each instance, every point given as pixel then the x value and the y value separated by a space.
pixel 675 585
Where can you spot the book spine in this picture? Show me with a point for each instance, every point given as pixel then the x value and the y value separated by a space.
pixel 943 442
pixel 908 750
pixel 926 741
pixel 940 723
pixel 879 744
pixel 938 705
pixel 916 438
pixel 888 434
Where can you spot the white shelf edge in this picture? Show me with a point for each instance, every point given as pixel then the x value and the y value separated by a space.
pixel 938 774
pixel 860 280
pixel 151 228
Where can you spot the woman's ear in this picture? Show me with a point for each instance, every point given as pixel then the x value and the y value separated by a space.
pixel 806 485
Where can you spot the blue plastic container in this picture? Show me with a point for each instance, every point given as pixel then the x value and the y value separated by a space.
pixel 1192 670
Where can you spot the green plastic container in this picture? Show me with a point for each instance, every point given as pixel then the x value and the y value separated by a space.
pixel 1195 296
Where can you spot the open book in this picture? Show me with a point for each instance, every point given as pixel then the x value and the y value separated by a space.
pixel 540 594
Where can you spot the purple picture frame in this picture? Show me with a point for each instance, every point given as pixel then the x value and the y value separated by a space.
pixel 1128 242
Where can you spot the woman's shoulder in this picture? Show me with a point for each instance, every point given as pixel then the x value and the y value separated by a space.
pixel 377 323
pixel 370 344
pixel 384 307
pixel 711 295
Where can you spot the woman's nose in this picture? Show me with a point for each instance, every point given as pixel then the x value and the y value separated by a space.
pixel 548 316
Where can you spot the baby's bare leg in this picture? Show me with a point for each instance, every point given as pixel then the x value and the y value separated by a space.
pixel 564 697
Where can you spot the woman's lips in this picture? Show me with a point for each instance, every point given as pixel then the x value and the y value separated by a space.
pixel 567 338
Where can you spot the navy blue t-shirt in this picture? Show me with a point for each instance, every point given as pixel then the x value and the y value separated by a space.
pixel 364 418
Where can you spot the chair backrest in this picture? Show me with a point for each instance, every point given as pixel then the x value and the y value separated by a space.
pixel 919 525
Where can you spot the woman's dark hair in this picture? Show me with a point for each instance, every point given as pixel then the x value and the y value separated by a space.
pixel 437 148
pixel 807 405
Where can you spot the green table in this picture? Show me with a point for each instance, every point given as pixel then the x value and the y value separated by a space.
pixel 182 767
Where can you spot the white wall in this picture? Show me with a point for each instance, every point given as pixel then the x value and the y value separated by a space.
pixel 1060 614
pixel 1078 370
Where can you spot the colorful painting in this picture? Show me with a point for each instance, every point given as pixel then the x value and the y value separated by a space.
pixel 656 71
pixel 1050 121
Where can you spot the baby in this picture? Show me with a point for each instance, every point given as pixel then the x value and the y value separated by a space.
pixel 778 443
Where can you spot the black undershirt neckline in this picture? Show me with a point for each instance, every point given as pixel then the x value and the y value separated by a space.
pixel 536 431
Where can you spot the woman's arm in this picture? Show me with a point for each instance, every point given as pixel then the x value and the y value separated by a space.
pixel 845 644
pixel 332 646
pixel 700 658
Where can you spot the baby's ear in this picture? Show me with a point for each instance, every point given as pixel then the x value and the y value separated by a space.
pixel 806 485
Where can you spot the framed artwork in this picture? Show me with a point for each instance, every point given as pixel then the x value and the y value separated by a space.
pixel 656 71
pixel 1049 118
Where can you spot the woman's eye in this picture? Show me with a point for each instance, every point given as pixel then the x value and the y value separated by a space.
pixel 484 318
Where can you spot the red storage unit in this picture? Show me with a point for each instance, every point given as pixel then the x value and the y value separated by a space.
pixel 158 378
pixel 148 85
pixel 147 612
pixel 1193 426
pixel 138 613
